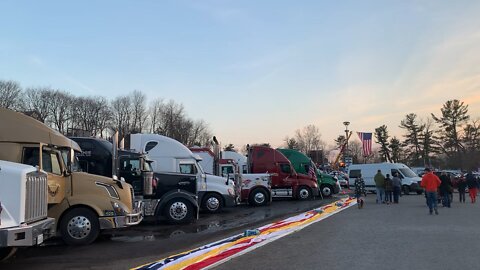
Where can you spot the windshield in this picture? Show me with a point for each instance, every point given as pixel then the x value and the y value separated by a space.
pixel 73 163
pixel 407 172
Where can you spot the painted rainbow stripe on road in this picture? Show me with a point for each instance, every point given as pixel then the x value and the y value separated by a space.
pixel 216 253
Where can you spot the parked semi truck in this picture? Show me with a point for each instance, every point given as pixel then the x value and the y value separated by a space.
pixel 286 182
pixel 170 156
pixel 164 195
pixel 82 204
pixel 23 208
pixel 254 189
pixel 302 164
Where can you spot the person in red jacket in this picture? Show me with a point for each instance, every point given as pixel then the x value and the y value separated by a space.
pixel 431 182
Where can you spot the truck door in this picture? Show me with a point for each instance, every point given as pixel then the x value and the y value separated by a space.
pixel 186 180
pixel 50 163
pixel 287 179
pixel 129 169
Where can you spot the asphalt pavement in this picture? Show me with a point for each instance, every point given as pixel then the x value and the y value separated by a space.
pixel 379 236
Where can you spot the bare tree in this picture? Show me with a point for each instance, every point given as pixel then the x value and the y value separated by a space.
pixel 10 94
pixel 139 111
pixel 122 115
pixel 60 109
pixel 155 113
pixel 308 139
pixel 36 102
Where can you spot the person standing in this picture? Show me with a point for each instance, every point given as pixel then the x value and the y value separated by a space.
pixel 472 186
pixel 360 190
pixel 461 186
pixel 380 185
pixel 397 187
pixel 431 182
pixel 388 189
pixel 445 188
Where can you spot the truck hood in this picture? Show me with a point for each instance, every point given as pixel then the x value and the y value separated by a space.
pixel 218 179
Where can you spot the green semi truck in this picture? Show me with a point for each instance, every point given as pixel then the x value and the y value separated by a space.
pixel 301 163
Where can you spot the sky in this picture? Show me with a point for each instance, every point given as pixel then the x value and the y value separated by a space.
pixel 255 71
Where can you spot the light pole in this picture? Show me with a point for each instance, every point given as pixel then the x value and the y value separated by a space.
pixel 346 123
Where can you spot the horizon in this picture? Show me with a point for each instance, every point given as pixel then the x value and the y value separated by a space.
pixel 255 72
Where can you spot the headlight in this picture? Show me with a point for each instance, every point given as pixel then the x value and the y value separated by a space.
pixel 231 192
pixel 118 209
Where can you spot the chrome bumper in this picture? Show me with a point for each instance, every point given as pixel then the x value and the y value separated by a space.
pixel 27 235
pixel 123 221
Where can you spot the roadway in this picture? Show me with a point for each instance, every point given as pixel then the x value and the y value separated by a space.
pixel 402 236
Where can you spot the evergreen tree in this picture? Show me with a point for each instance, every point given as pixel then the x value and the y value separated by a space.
pixel 395 149
pixel 412 142
pixel 454 115
pixel 381 134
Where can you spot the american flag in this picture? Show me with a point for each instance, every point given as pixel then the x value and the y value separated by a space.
pixel 366 138
pixel 311 171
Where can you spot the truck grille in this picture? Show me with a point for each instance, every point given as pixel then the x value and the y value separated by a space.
pixel 36 197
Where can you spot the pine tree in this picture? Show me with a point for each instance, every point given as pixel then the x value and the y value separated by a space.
pixel 381 134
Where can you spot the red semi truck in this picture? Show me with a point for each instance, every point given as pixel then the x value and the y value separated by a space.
pixel 286 182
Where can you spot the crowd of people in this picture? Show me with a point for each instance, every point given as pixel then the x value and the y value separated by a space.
pixel 438 189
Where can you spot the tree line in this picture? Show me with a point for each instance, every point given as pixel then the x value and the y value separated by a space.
pixel 448 140
pixel 97 116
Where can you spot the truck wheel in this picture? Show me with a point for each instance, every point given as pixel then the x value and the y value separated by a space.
pixel 419 192
pixel 212 202
pixel 304 193
pixel 7 252
pixel 326 190
pixel 179 211
pixel 406 190
pixel 258 197
pixel 79 226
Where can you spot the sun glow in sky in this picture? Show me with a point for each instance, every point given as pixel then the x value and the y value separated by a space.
pixel 254 70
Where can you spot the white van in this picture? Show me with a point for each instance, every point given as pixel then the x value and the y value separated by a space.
pixel 410 180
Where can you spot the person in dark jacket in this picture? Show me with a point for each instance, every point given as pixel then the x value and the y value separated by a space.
pixel 461 186
pixel 360 190
pixel 445 188
pixel 388 189
pixel 472 186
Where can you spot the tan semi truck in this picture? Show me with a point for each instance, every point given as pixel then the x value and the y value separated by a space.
pixel 81 203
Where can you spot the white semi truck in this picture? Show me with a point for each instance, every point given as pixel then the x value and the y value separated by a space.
pixel 23 207
pixel 254 188
pixel 169 155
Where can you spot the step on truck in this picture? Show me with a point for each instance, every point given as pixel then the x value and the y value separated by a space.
pixel 302 164
pixel 82 204
pixel 23 208
pixel 286 182
pixel 170 156
pixel 171 196
pixel 254 189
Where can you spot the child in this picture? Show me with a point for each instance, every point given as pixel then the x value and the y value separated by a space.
pixel 359 190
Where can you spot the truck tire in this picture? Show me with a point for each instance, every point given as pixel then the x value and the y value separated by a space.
pixel 258 197
pixel 419 192
pixel 406 190
pixel 304 193
pixel 7 252
pixel 212 203
pixel 327 190
pixel 179 211
pixel 79 226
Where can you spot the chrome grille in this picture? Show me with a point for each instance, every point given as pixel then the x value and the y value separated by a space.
pixel 133 198
pixel 36 197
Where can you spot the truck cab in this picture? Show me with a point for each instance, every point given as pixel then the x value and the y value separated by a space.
pixel 23 208
pixel 302 164
pixel 170 156
pixel 81 203
pixel 286 182
pixel 254 189
pixel 172 196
